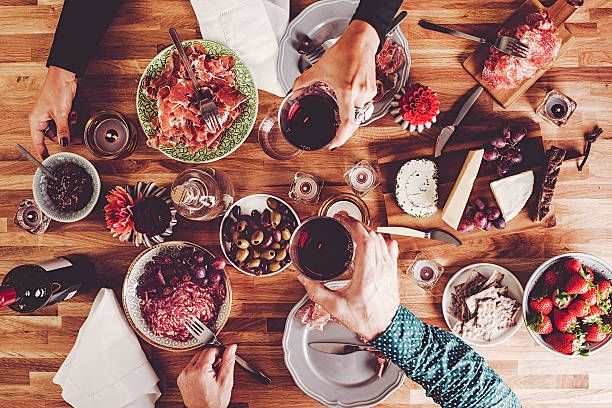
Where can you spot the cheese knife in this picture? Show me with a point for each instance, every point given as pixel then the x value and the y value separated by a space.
pixel 446 133
pixel 436 234
pixel 339 348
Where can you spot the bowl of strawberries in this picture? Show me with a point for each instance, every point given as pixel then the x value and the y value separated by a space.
pixel 567 304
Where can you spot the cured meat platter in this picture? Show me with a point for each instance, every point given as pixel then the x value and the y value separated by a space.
pixel 391 156
pixel 558 12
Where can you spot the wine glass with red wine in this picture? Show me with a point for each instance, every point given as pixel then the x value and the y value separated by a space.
pixel 322 248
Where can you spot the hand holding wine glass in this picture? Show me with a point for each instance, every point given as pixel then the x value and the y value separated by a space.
pixel 368 303
pixel 349 68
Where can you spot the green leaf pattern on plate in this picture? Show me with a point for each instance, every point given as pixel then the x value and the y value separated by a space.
pixel 233 136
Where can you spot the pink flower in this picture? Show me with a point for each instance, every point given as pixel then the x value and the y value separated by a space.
pixel 118 213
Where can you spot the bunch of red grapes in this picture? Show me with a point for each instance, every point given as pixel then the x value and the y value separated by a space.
pixel 479 215
pixel 505 149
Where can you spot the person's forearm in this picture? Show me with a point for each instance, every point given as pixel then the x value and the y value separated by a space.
pixel 379 14
pixel 451 372
pixel 81 27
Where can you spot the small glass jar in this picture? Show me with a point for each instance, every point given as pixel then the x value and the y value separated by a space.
pixel 362 178
pixel 425 271
pixel 202 194
pixel 110 135
pixel 556 108
pixel 351 204
pixel 305 188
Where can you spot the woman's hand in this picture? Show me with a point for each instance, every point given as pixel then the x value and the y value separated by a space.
pixel 53 105
pixel 201 385
pixel 368 303
pixel 349 68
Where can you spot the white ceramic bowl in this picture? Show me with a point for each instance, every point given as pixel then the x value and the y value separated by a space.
pixel 598 266
pixel 515 291
pixel 248 204
pixel 40 182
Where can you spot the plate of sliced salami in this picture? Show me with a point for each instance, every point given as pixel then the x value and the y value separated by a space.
pixel 168 108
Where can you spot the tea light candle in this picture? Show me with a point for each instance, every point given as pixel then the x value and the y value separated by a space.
pixel 31 218
pixel 348 206
pixel 305 188
pixel 111 135
pixel 362 178
pixel 425 271
pixel 350 203
pixel 556 108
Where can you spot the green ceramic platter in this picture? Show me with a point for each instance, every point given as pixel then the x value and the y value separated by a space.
pixel 233 136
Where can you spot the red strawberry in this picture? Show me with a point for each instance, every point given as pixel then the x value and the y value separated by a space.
pixel 572 265
pixel 561 299
pixel 595 311
pixel 604 288
pixel 597 332
pixel 577 285
pixel 541 324
pixel 579 308
pixel 551 279
pixel 590 296
pixel 564 321
pixel 587 273
pixel 542 304
pixel 564 343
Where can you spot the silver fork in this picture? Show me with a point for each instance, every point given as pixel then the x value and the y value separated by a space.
pixel 208 109
pixel 206 336
pixel 507 45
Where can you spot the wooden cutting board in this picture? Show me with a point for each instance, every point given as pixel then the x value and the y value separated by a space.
pixel 391 156
pixel 559 12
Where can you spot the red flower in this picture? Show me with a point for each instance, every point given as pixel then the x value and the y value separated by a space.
pixel 419 105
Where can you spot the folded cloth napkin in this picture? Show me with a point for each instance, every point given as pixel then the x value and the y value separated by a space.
pixel 107 367
pixel 252 28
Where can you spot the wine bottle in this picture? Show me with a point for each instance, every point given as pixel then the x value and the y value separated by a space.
pixel 28 288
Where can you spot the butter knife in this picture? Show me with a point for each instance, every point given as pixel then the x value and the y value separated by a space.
pixel 436 234
pixel 339 348
pixel 446 133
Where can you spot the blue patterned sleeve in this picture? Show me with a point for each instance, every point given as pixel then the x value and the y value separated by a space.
pixel 451 372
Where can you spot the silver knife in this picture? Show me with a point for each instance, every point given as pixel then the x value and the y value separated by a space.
pixel 340 348
pixel 436 234
pixel 446 133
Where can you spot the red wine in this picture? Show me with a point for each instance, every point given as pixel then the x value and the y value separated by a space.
pixel 322 248
pixel 311 122
pixel 28 288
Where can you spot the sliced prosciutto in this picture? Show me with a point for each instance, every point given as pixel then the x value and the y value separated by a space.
pixel 178 120
pixel 503 71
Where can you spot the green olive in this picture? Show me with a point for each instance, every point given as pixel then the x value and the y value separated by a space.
pixel 242 243
pixel 275 219
pixel 286 234
pixel 274 266
pixel 257 237
pixel 235 236
pixel 268 255
pixel 242 255
pixel 272 203
pixel 255 253
pixel 275 245
pixel 253 263
pixel 241 226
pixel 280 255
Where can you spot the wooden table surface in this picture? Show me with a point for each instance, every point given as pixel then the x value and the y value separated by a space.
pixel 32 347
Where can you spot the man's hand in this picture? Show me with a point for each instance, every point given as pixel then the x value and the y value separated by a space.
pixel 368 303
pixel 201 385
pixel 53 105
pixel 349 68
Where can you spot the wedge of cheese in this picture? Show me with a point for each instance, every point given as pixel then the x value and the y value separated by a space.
pixel 512 193
pixel 453 209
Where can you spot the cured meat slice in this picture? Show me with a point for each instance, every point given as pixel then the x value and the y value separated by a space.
pixel 388 63
pixel 230 97
pixel 313 316
pixel 554 160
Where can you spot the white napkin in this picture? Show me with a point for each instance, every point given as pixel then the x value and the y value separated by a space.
pixel 252 28
pixel 107 367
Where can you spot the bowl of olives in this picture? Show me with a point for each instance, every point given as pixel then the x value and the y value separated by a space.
pixel 255 234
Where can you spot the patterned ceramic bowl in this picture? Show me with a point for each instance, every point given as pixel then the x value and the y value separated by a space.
pixel 41 181
pixel 600 269
pixel 233 136
pixel 131 301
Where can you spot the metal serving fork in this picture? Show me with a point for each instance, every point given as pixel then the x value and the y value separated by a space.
pixel 206 336
pixel 208 109
pixel 507 45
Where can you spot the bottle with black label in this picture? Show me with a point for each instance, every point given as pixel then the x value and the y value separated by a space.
pixel 28 288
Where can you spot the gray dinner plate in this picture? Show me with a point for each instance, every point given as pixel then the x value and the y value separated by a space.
pixel 321 21
pixel 335 381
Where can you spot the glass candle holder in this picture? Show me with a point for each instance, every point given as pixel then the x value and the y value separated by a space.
pixel 110 135
pixel 362 178
pixel 425 271
pixel 30 218
pixel 305 188
pixel 556 108
pixel 351 204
